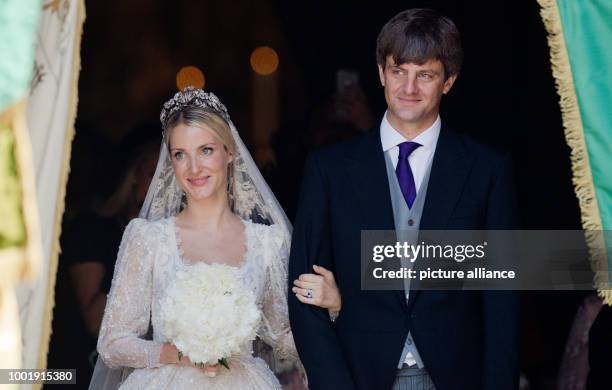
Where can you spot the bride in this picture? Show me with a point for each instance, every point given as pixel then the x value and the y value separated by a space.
pixel 207 203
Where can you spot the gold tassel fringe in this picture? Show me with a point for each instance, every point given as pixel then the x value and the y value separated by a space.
pixel 574 135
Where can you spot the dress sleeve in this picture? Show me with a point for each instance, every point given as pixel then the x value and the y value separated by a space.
pixel 276 330
pixel 128 309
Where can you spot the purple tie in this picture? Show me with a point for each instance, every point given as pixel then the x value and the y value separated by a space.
pixel 404 173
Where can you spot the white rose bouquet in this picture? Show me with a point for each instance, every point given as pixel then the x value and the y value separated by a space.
pixel 208 313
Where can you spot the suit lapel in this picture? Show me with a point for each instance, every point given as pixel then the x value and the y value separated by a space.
pixel 449 171
pixel 450 168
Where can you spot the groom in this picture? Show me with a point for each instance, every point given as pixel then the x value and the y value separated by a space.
pixel 412 172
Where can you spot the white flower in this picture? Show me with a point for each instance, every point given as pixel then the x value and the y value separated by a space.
pixel 208 313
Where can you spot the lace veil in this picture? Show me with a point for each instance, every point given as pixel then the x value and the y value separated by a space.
pixel 250 198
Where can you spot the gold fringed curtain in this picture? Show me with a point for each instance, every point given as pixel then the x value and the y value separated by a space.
pixel 50 112
pixel 577 36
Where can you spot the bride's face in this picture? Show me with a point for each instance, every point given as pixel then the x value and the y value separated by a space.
pixel 200 162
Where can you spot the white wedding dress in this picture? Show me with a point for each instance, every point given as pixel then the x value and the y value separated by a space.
pixel 148 259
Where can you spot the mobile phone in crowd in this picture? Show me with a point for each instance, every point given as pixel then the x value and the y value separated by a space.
pixel 345 78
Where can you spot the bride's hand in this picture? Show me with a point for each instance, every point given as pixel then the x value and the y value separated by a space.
pixel 320 290
pixel 171 355
pixel 210 370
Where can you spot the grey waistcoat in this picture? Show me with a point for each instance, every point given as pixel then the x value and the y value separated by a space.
pixel 407 223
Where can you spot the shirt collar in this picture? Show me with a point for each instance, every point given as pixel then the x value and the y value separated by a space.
pixel 390 137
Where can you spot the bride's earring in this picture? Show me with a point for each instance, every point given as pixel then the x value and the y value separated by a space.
pixel 183 200
pixel 230 183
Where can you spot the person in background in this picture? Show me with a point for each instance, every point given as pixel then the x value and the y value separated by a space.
pixel 87 261
pixel 341 116
pixel 92 257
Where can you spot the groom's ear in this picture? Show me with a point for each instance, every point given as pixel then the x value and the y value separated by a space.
pixel 448 83
pixel 381 74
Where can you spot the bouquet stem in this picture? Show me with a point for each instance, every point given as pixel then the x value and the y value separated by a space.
pixel 223 362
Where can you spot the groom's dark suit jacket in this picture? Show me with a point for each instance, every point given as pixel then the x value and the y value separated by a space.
pixel 467 339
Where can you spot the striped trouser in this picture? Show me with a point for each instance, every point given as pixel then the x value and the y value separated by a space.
pixel 413 379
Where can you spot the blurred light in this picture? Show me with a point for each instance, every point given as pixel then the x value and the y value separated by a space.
pixel 264 60
pixel 190 75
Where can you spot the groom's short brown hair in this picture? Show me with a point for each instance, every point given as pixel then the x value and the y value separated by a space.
pixel 418 35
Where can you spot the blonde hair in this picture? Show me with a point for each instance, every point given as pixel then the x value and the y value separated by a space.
pixel 202 118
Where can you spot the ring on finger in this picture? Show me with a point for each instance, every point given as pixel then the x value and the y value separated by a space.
pixel 308 293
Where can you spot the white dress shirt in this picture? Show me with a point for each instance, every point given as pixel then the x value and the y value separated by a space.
pixel 420 158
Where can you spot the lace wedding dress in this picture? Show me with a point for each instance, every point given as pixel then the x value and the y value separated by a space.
pixel 149 257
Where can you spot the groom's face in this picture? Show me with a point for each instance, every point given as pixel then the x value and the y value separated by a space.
pixel 413 92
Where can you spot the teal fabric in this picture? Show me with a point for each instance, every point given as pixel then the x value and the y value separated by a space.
pixel 587 28
pixel 18 27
